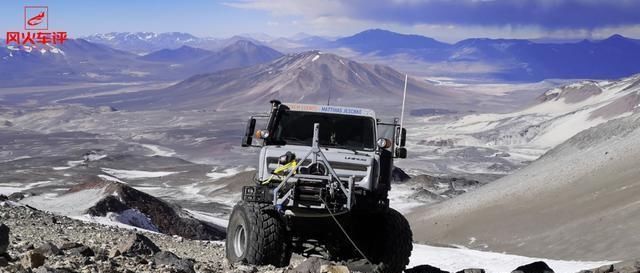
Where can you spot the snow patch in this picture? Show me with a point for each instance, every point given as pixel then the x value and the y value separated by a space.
pixel 111 178
pixel 455 259
pixel 134 174
pixel 215 174
pixel 107 221
pixel 209 217
pixel 75 203
pixel 158 150
pixel 133 217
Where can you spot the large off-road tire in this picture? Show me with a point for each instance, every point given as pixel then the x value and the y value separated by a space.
pixel 257 235
pixel 397 242
pixel 386 239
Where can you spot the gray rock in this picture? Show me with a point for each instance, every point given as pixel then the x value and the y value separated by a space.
pixel 168 258
pixel 330 268
pixel 32 259
pixel 67 246
pixel 425 268
pixel 471 270
pixel 82 251
pixel 4 238
pixel 622 267
pixel 363 266
pixel 535 267
pixel 310 265
pixel 16 196
pixel 48 249
pixel 138 244
pixel 247 269
pixel 45 269
pixel 114 253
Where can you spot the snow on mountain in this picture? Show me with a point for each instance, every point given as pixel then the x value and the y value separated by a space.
pixel 578 201
pixel 74 60
pixel 523 135
pixel 143 42
pixel 81 60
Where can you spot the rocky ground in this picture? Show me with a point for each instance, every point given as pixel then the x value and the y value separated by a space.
pixel 36 241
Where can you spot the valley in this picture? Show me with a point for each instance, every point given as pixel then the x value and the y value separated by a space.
pixel 507 156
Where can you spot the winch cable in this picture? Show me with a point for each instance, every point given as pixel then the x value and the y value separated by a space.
pixel 345 232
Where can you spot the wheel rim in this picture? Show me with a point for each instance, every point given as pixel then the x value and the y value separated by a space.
pixel 239 240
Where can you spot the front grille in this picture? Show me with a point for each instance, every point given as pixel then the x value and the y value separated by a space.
pixel 335 165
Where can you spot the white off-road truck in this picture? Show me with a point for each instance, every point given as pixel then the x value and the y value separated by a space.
pixel 321 189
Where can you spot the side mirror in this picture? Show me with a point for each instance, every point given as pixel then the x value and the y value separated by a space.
pixel 403 137
pixel 247 139
pixel 401 153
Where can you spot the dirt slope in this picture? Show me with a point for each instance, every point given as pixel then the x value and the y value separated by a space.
pixel 579 201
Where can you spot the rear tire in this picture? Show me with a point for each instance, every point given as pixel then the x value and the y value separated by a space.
pixel 257 235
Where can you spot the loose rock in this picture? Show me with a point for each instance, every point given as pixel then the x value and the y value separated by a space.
pixel 16 196
pixel 471 270
pixel 536 267
pixel 334 269
pixel 425 269
pixel 32 259
pixel 310 265
pixel 67 246
pixel 168 258
pixel 138 244
pixel 623 267
pixel 82 251
pixel 4 238
pixel 48 249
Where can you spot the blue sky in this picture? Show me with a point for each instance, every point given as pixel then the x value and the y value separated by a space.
pixel 447 20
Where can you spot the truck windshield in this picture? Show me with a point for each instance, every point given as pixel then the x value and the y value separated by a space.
pixel 342 131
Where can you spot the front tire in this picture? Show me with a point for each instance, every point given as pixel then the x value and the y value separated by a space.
pixel 397 242
pixel 385 237
pixel 257 235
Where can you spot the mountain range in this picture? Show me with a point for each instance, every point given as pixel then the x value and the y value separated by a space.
pixel 78 60
pixel 176 56
pixel 515 60
pixel 508 59
pixel 307 77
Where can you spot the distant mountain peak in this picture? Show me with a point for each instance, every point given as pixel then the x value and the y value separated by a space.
pixel 381 40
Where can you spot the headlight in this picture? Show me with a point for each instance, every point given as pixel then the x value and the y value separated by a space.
pixel 384 143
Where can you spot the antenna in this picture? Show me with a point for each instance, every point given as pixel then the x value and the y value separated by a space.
pixel 404 97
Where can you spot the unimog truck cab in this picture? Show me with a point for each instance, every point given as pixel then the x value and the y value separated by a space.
pixel 321 189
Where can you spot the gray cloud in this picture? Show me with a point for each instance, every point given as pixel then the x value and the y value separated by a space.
pixel 549 14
